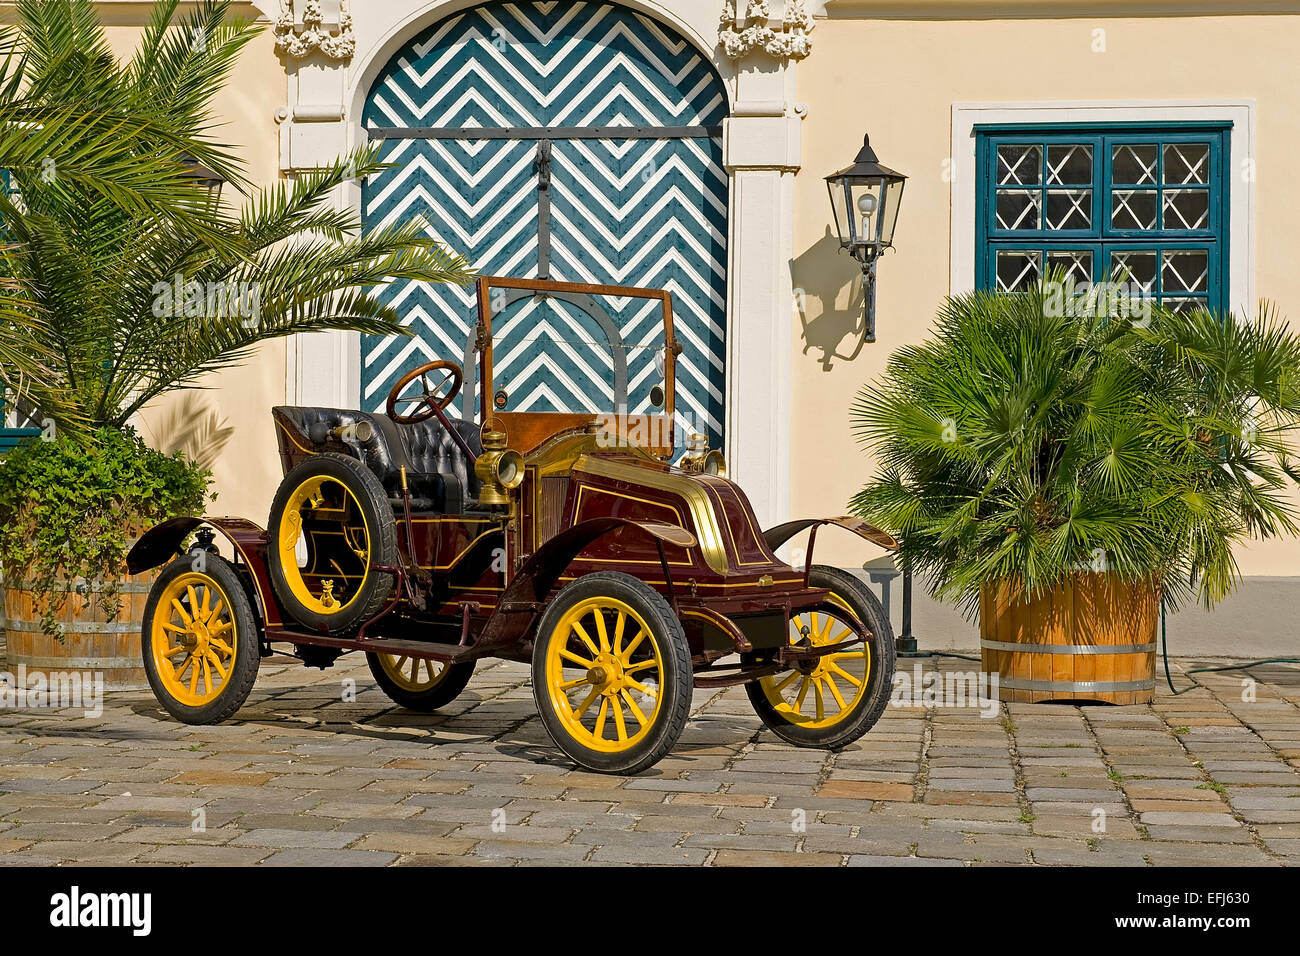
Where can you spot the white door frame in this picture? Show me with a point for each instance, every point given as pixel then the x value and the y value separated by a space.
pixel 322 119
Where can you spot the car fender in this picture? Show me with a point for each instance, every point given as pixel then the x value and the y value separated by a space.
pixel 163 542
pixel 520 604
pixel 775 537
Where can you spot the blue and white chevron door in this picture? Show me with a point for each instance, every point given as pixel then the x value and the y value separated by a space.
pixel 501 124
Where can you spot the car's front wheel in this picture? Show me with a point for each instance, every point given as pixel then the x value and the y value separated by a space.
pixel 199 639
pixel 612 673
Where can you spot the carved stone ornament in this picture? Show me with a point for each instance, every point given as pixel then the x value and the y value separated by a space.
pixel 322 25
pixel 786 38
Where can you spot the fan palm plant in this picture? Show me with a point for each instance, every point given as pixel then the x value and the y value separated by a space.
pixel 1023 444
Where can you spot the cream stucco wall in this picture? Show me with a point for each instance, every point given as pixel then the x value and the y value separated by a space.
pixel 899 79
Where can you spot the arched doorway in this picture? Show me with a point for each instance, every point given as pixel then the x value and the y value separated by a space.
pixel 574 141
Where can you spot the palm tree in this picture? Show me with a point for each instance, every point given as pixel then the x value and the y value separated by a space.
pixel 126 281
pixel 1020 444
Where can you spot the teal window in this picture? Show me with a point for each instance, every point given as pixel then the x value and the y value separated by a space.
pixel 1145 204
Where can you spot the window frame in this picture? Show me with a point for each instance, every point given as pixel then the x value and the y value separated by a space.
pixel 1102 238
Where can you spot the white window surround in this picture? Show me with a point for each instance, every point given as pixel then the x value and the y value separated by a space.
pixel 322 118
pixel 1241 200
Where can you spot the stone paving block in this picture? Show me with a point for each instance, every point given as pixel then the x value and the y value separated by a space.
pixel 867 860
pixel 305 839
pixel 650 856
pixel 1238 834
pixel 1182 819
pixel 318 857
pixel 206 855
pixel 771 858
pixel 866 791
pixel 409 844
pixel 520 850
pixel 719 799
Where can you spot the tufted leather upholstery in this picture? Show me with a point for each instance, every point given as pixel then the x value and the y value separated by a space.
pixel 437 469
pixel 432 451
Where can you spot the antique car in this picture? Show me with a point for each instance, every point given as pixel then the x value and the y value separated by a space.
pixel 564 539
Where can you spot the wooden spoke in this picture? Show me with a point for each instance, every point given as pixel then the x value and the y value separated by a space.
pixel 568 655
pixel 582 634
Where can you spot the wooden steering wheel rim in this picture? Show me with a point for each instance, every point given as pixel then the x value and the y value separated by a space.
pixel 425 411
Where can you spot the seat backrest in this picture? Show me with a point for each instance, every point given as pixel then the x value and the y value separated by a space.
pixel 431 450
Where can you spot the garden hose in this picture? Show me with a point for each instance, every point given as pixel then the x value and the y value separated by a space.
pixel 1164 653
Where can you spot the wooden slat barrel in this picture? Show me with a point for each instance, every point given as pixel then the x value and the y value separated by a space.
pixel 1092 638
pixel 91 642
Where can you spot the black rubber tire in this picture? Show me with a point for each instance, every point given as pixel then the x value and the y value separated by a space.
pixel 451 682
pixel 248 656
pixel 381 528
pixel 864 714
pixel 678 676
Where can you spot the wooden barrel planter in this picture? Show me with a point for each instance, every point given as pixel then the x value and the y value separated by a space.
pixel 91 642
pixel 1093 638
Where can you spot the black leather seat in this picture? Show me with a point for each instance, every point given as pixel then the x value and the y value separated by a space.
pixel 438 473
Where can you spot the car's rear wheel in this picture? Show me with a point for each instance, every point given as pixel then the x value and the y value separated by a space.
pixel 612 673
pixel 419 684
pixel 835 700
pixel 199 639
pixel 330 525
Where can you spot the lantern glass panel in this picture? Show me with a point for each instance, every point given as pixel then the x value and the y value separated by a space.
pixel 868 197
pixel 889 216
pixel 840 204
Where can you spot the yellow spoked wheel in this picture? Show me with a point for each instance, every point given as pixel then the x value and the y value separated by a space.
pixel 603 673
pixel 193 639
pixel 199 639
pixel 832 700
pixel 418 683
pixel 330 525
pixel 611 673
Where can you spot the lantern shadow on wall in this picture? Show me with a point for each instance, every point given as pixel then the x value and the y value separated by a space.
pixel 865 199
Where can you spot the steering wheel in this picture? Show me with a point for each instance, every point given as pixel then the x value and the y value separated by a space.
pixel 428 403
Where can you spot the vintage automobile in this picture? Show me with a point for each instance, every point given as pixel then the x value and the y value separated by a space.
pixel 566 539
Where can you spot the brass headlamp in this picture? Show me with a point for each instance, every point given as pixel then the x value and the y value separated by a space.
pixel 499 470
pixel 700 461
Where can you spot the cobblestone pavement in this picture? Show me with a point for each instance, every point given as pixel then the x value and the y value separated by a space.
pixel 303 777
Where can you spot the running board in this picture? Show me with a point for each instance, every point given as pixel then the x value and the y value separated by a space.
pixel 421 650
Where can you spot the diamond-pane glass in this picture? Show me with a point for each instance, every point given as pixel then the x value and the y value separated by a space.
pixel 1017 269
pixel 1135 164
pixel 1186 164
pixel 1020 165
pixel 1077 264
pixel 1187 208
pixel 1139 267
pixel 1019 209
pixel 1068 209
pixel 1185 271
pixel 1133 208
pixel 1069 165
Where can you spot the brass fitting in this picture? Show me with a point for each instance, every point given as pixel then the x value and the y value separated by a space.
pixel 499 470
